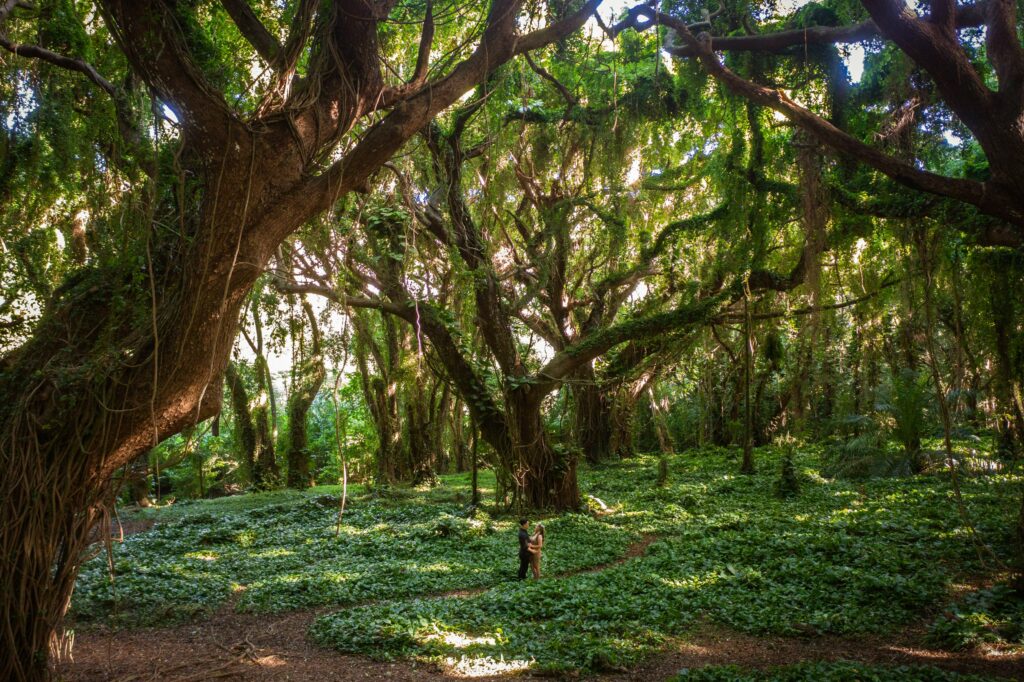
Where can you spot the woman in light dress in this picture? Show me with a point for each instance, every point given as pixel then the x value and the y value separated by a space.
pixel 535 546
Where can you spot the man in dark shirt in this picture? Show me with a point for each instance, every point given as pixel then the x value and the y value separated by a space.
pixel 524 552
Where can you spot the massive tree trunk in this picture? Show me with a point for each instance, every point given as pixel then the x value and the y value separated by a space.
pixel 245 431
pixel 268 473
pixel 461 453
pixel 546 477
pixel 98 384
pixel 421 441
pixel 253 429
pixel 622 415
pixel 138 479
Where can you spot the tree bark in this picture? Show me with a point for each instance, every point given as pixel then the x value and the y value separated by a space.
pixel 245 430
pixel 592 424
pixel 1008 343
pixel 747 467
pixel 310 378
pixel 380 391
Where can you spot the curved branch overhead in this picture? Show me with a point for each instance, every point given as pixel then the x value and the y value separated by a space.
pixel 994 117
pixel 966 16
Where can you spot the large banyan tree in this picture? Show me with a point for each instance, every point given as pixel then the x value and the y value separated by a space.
pixel 204 133
pixel 268 133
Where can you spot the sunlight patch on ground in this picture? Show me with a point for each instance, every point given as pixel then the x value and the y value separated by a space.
pixel 485 667
pixel 202 556
pixel 458 640
pixel 270 553
pixel 693 582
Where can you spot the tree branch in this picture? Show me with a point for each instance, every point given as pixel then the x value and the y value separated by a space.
pixel 546 75
pixel 69 63
pixel 423 54
pixel 809 310
pixel 122 108
pixel 8 7
pixel 152 42
pixel 702 310
pixel 557 30
pixel 969 16
pixel 1004 48
pixel 253 30
pixel 990 199
pixel 408 116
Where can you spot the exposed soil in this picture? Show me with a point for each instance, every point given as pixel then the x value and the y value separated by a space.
pixel 244 646
pixel 713 645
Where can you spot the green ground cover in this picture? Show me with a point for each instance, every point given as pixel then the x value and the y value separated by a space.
pixel 840 671
pixel 281 551
pixel 846 557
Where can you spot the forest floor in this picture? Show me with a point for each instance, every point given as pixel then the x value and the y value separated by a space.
pixel 245 646
pixel 711 571
pixel 240 646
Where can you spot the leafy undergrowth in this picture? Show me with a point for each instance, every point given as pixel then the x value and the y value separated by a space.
pixel 842 557
pixel 281 552
pixel 989 616
pixel 840 671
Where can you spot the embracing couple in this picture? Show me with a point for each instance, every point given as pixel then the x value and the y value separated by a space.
pixel 529 548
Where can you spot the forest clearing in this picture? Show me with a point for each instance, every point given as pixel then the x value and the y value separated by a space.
pixel 628 339
pixel 864 568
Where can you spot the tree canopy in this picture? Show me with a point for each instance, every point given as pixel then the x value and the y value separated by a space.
pixel 513 235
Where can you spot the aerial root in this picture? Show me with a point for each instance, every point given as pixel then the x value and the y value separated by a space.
pixel 212 668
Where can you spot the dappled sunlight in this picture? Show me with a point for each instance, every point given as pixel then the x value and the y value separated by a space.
pixel 426 580
pixel 486 666
pixel 202 556
pixel 458 640
pixel 271 553
pixel 693 582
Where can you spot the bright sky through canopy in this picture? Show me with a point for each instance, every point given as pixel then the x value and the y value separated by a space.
pixel 853 55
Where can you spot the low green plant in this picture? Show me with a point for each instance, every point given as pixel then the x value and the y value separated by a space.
pixel 845 557
pixel 855 557
pixel 994 615
pixel 280 551
pixel 838 671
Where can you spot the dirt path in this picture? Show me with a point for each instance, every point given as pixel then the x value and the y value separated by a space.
pixel 234 646
pixel 245 646
pixel 715 645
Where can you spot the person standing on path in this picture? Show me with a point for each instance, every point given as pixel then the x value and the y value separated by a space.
pixel 535 547
pixel 524 548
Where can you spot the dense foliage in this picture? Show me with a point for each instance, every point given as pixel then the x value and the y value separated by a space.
pixel 460 261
